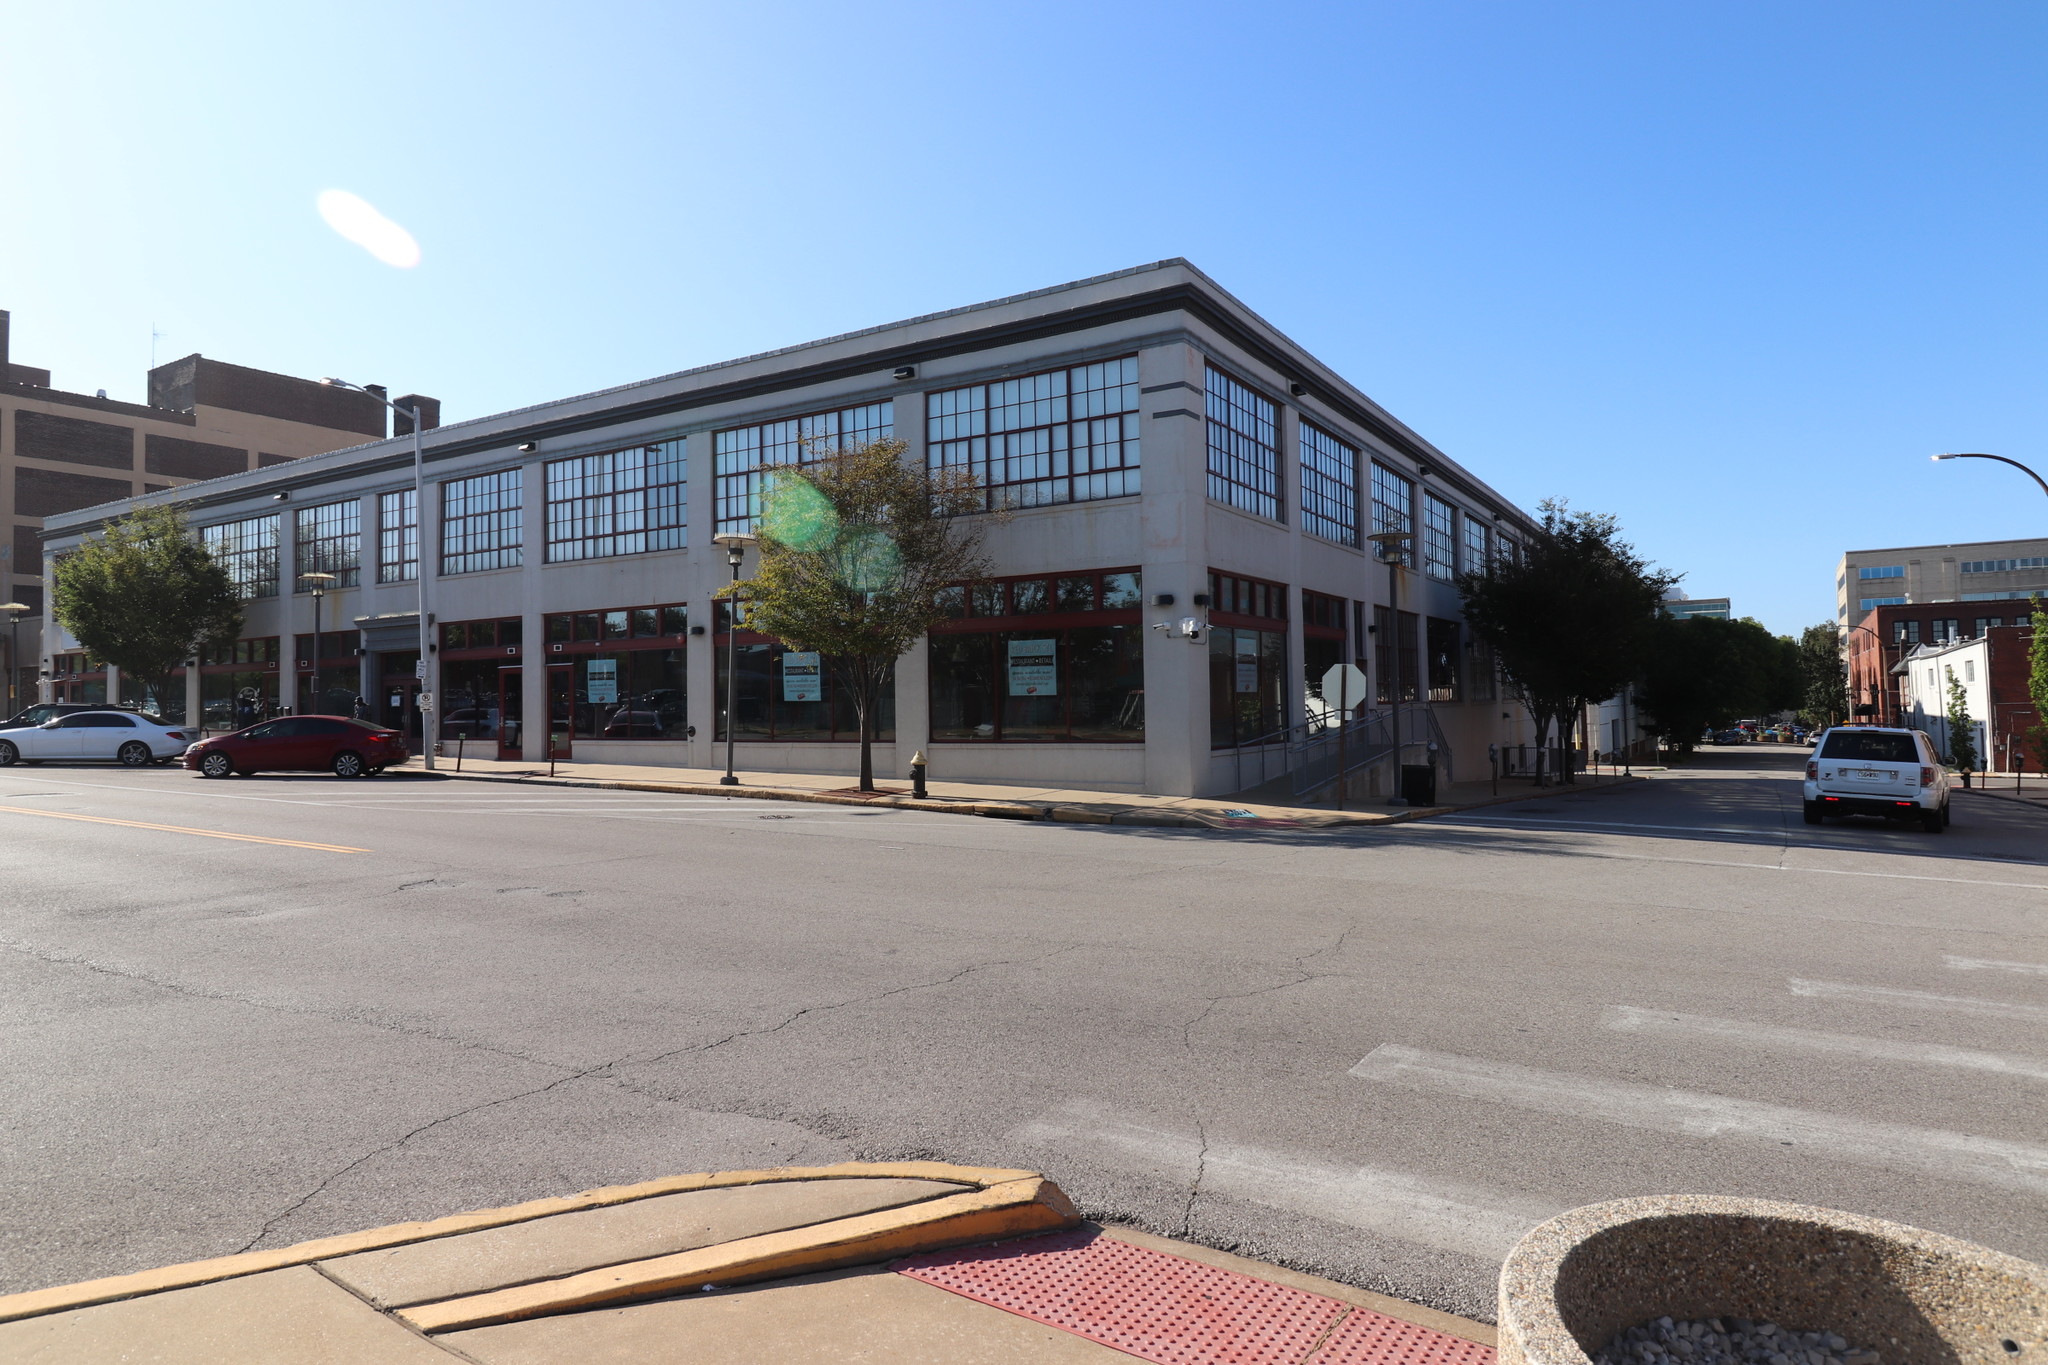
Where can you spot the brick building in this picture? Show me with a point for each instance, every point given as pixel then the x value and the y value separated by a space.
pixel 1992 668
pixel 60 451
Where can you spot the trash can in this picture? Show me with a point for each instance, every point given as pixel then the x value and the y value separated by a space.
pixel 1418 784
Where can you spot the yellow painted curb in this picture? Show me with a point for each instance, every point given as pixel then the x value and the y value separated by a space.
pixel 1011 1209
pixel 84 1294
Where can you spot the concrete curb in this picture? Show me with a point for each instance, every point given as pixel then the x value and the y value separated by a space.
pixel 1540 794
pixel 36 1302
pixel 1014 1208
pixel 2038 803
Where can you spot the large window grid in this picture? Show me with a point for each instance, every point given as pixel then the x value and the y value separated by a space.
pixel 2004 565
pixel 1442 638
pixel 1883 571
pixel 1244 454
pixel 1329 486
pixel 1393 501
pixel 328 539
pixel 1476 549
pixel 1063 436
pixel 619 502
pixel 398 536
pixel 247 549
pixel 1439 537
pixel 740 454
pixel 480 519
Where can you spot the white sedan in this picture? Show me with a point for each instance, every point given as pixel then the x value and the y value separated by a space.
pixel 96 737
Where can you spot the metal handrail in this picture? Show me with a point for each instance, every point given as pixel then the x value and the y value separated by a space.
pixel 1307 752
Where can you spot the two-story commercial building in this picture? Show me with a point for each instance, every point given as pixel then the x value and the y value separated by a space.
pixel 1188 554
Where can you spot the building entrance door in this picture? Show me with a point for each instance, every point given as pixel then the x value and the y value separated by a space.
pixel 511 703
pixel 397 703
pixel 561 709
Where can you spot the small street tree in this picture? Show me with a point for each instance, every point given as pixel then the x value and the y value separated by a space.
pixel 1962 731
pixel 2037 684
pixel 1823 676
pixel 144 596
pixel 856 550
pixel 1569 618
pixel 1704 673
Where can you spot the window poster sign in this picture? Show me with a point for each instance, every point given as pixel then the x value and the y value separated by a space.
pixel 1247 661
pixel 802 677
pixel 602 681
pixel 1034 668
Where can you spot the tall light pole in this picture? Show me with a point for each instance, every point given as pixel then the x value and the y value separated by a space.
pixel 1393 552
pixel 319 590
pixel 14 611
pixel 735 543
pixel 419 519
pixel 1969 455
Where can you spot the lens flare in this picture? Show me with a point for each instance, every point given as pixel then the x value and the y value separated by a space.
pixel 354 218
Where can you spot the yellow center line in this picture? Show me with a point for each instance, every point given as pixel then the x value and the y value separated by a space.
pixel 181 829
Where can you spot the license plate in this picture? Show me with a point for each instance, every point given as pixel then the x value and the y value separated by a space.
pixel 1873 775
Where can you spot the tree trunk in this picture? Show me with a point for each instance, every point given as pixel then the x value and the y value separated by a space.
pixel 864 710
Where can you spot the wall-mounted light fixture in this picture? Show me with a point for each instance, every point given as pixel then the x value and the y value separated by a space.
pixel 281 497
pixel 696 630
pixel 906 371
pixel 528 447
pixel 1162 599
pixel 1297 389
pixel 1200 599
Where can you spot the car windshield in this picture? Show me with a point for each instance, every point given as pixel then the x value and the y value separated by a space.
pixel 1864 746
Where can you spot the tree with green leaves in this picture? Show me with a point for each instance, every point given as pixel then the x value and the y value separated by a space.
pixel 1962 731
pixel 1704 673
pixel 857 549
pixel 2037 683
pixel 1823 676
pixel 1568 619
pixel 144 596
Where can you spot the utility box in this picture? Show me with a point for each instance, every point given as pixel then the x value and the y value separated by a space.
pixel 1418 784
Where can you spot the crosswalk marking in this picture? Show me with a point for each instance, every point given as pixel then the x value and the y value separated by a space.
pixel 1892 1146
pixel 1630 1019
pixel 1983 964
pixel 1921 1000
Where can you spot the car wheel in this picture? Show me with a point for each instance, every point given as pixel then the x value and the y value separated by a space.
pixel 216 765
pixel 1932 821
pixel 9 755
pixel 134 754
pixel 349 763
pixel 1811 812
pixel 1946 817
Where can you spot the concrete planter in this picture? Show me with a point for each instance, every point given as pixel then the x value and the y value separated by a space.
pixel 1915 1297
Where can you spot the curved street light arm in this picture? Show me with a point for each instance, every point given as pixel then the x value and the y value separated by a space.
pixel 1977 455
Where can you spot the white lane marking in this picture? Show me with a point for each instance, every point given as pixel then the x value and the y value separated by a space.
pixel 1919 1000
pixel 1554 820
pixel 1766 867
pixel 1630 1019
pixel 1471 1220
pixel 1985 964
pixel 1691 1113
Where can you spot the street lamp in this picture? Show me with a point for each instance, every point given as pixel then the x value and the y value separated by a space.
pixel 419 517
pixel 1392 548
pixel 735 543
pixel 14 611
pixel 1969 455
pixel 319 590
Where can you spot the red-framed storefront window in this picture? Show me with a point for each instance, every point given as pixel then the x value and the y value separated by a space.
pixel 1247 658
pixel 1041 658
pixel 627 669
pixel 1325 642
pixel 238 683
pixel 788 695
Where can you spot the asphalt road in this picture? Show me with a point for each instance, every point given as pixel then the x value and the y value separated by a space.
pixel 1379 1056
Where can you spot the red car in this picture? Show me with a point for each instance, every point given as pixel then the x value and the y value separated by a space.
pixel 301 744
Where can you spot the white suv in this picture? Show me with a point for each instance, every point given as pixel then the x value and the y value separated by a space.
pixel 1872 770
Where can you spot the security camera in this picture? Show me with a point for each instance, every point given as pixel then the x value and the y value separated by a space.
pixel 1191 627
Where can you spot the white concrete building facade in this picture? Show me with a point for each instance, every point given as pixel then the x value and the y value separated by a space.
pixel 1170 457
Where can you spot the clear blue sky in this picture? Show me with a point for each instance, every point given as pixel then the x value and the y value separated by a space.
pixel 1730 271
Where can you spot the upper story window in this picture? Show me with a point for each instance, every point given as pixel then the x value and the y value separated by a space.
pixel 1906 632
pixel 1329 486
pixel 739 455
pixel 328 539
pixel 398 536
pixel 480 519
pixel 1237 596
pixel 1244 455
pixel 248 551
pixel 1063 436
pixel 1439 537
pixel 1883 571
pixel 1866 603
pixel 2004 565
pixel 1393 501
pixel 619 502
pixel 1476 548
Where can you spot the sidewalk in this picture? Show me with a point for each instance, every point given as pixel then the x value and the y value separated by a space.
pixel 915 1262
pixel 1067 805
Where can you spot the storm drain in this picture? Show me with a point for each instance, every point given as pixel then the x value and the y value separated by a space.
pixel 1169 1309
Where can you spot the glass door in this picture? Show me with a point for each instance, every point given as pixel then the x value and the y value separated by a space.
pixel 561 709
pixel 511 701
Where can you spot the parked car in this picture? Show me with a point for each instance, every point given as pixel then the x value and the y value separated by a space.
pixel 302 744
pixel 46 711
pixel 1877 770
pixel 1729 737
pixel 96 736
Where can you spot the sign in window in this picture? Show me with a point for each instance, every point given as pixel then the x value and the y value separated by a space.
pixel 803 677
pixel 1034 668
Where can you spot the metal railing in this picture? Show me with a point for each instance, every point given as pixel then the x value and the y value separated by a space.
pixel 1310 754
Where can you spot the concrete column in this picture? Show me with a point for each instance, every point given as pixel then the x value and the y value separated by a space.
pixel 1293 692
pixel 704 572
pixel 288 611
pixel 193 714
pixel 913 706
pixel 430 574
pixel 113 685
pixel 1173 510
pixel 533 647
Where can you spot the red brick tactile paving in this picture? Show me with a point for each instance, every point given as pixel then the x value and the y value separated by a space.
pixel 1175 1311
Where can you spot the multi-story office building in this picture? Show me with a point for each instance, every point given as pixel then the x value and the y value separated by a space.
pixel 1981 571
pixel 61 451
pixel 1877 645
pixel 1193 495
pixel 1683 607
